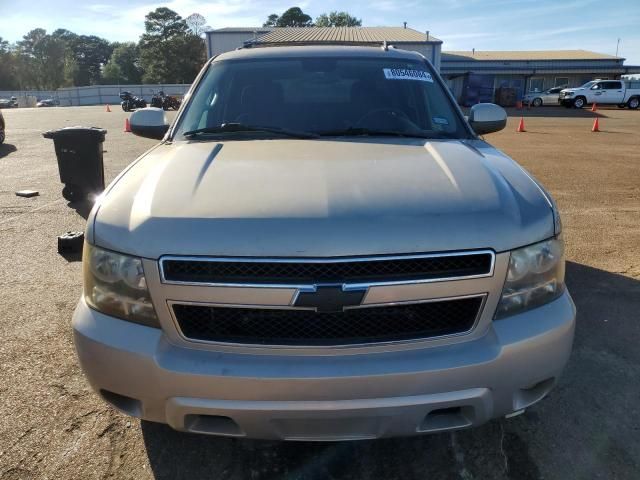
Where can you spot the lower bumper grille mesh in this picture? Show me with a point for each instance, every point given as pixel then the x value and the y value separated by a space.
pixel 305 327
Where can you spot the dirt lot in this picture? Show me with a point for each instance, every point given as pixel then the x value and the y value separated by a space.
pixel 53 426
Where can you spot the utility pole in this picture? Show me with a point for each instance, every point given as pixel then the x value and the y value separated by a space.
pixel 617 46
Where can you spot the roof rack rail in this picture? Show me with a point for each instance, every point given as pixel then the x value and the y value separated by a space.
pixel 385 46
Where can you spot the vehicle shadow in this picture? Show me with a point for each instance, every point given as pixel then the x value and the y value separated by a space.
pixel 551 112
pixel 556 112
pixel 6 149
pixel 607 306
pixel 82 208
pixel 176 455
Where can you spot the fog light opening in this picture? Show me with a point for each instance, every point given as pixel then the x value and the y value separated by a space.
pixel 447 418
pixel 128 405
pixel 212 425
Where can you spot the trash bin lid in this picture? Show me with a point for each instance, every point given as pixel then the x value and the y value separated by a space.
pixel 78 131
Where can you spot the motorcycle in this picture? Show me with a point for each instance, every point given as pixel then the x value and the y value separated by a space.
pixel 166 102
pixel 131 102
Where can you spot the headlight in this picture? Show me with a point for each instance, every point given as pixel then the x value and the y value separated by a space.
pixel 568 94
pixel 535 277
pixel 114 284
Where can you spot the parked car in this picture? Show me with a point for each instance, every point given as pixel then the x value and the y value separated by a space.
pixel 612 92
pixel 46 103
pixel 2 134
pixel 322 247
pixel 548 97
pixel 8 103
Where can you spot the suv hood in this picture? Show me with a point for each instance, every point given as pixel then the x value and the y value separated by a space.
pixel 321 198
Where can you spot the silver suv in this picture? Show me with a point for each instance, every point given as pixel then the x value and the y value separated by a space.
pixel 322 248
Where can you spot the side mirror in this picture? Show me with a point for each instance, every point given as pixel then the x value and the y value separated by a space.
pixel 149 122
pixel 487 117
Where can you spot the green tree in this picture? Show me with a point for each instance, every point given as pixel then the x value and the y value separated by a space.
pixel 40 59
pixel 8 76
pixel 338 19
pixel 90 54
pixel 124 65
pixel 169 51
pixel 70 69
pixel 51 54
pixel 272 21
pixel 293 17
pixel 30 41
pixel 163 23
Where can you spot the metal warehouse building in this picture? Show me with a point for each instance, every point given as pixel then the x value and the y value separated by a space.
pixel 226 39
pixel 473 76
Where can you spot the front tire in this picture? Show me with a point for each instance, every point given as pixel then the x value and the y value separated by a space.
pixel 2 137
pixel 579 102
pixel 634 103
pixel 537 102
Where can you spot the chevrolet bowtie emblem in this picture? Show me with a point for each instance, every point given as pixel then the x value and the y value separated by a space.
pixel 330 299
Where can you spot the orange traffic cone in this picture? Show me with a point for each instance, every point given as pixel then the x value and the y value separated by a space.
pixel 594 108
pixel 108 109
pixel 127 126
pixel 596 125
pixel 521 125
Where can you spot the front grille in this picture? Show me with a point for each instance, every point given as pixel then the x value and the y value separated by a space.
pixel 372 269
pixel 305 327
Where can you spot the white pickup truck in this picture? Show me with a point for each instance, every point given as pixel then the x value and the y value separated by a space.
pixel 615 92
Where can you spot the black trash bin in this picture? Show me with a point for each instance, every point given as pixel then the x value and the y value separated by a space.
pixel 79 152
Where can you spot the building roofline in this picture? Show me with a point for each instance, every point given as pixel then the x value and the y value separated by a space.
pixel 525 56
pixel 240 29
pixel 346 35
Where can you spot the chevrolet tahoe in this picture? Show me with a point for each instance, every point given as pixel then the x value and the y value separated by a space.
pixel 323 247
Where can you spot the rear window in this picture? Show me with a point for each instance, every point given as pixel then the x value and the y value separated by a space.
pixel 611 85
pixel 320 95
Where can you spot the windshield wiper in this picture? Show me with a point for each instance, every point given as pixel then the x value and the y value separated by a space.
pixel 240 127
pixel 361 131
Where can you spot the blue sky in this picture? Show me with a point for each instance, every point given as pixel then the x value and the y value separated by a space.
pixel 461 24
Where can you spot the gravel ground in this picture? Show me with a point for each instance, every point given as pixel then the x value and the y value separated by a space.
pixel 53 426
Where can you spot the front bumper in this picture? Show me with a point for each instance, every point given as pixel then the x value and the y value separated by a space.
pixel 326 397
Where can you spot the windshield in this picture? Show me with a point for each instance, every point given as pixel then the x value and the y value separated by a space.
pixel 587 85
pixel 322 96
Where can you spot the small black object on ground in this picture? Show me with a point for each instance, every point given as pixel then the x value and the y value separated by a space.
pixel 27 193
pixel 70 244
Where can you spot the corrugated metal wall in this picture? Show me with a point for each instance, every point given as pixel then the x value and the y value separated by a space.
pixel 103 94
pixel 98 94
pixel 40 94
pixel 221 42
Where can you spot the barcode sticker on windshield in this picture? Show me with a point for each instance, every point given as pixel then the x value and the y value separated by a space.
pixel 406 74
